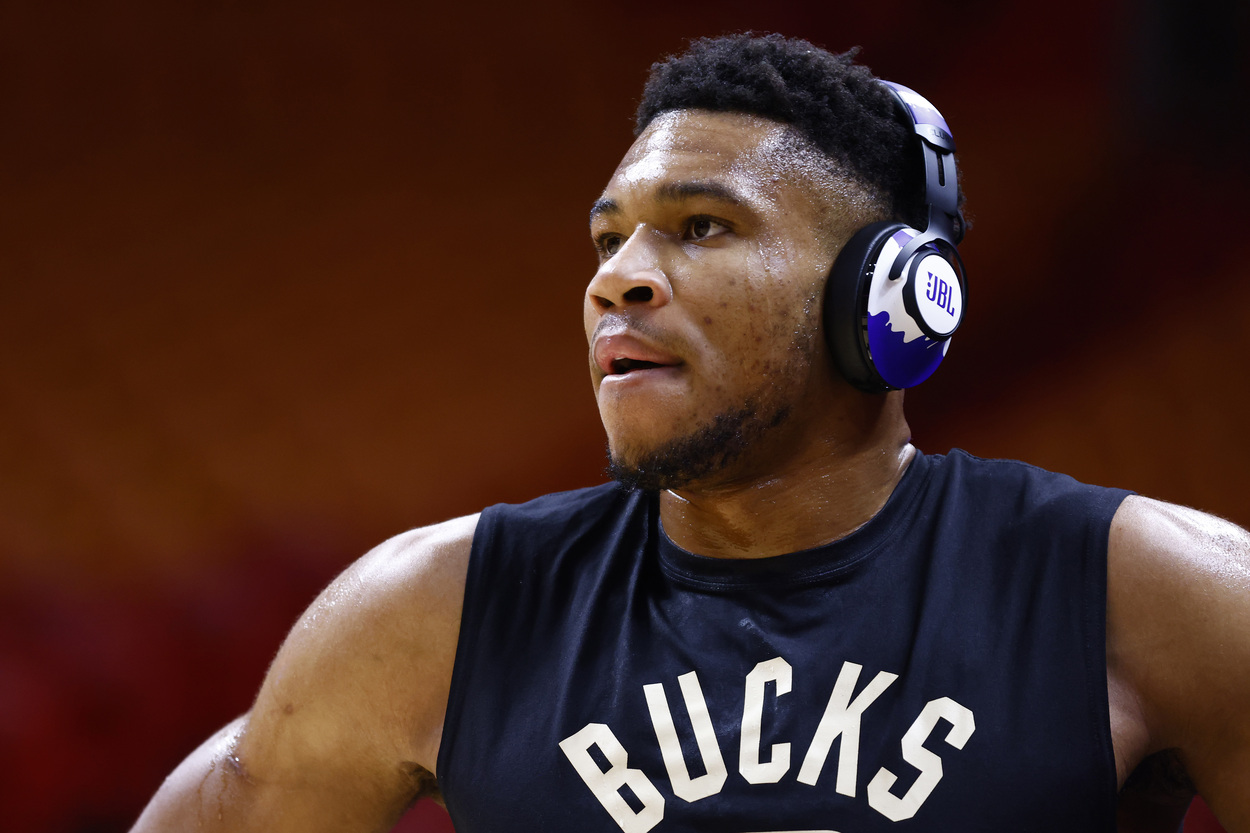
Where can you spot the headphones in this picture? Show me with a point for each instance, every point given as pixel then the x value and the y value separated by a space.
pixel 896 295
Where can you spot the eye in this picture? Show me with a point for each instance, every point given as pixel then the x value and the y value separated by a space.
pixel 609 244
pixel 703 228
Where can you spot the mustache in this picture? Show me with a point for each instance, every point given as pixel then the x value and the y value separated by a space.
pixel 622 322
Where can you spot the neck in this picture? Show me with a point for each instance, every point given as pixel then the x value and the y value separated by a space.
pixel 819 493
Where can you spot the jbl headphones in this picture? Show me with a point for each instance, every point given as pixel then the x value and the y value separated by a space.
pixel 896 295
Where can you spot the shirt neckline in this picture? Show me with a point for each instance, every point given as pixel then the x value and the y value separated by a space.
pixel 805 566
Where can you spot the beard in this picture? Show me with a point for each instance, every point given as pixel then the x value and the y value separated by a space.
pixel 713 447
pixel 704 452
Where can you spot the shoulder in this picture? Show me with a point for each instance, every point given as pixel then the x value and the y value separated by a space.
pixel 1178 638
pixel 1179 579
pixel 1177 573
pixel 409 586
pixel 1155 526
pixel 428 561
pixel 362 679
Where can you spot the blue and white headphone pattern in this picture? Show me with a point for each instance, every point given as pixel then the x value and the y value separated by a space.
pixel 896 294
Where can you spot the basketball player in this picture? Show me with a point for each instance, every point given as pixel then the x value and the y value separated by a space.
pixel 784 617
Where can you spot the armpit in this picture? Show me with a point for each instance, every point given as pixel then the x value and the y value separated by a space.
pixel 425 783
pixel 1162 774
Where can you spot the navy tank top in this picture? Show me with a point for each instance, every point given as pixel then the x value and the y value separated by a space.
pixel 942 668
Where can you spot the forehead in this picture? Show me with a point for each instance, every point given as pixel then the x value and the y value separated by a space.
pixel 758 158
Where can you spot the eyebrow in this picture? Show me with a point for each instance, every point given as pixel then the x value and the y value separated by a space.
pixel 674 192
pixel 602 206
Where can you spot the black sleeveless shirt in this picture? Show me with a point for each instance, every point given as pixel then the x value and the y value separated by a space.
pixel 942 668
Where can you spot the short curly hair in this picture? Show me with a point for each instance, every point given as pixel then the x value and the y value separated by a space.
pixel 835 103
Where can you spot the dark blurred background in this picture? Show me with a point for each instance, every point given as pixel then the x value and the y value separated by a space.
pixel 279 280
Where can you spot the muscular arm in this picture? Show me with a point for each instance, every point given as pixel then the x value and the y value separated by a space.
pixel 1178 653
pixel 344 733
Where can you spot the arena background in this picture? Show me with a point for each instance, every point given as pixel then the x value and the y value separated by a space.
pixel 279 280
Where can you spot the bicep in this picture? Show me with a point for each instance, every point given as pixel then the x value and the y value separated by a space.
pixel 214 790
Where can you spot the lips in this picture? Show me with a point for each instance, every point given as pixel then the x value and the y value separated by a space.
pixel 624 354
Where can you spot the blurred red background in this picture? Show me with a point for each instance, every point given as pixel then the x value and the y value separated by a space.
pixel 279 280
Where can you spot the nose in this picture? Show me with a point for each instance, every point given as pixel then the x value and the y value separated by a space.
pixel 633 276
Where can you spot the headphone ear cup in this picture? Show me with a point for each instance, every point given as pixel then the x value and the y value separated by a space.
pixel 846 305
pixel 877 340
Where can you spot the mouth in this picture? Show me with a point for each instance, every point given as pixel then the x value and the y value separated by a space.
pixel 622 354
pixel 623 366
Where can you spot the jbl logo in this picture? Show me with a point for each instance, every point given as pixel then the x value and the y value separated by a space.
pixel 940 293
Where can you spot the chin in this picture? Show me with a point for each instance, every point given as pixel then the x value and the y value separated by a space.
pixel 695 456
pixel 637 433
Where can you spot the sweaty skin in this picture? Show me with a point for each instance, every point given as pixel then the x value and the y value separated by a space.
pixel 714 237
pixel 706 255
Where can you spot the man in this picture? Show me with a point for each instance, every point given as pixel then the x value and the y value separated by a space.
pixel 790 619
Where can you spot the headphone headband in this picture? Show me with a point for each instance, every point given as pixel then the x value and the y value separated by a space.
pixel 896 294
pixel 941 191
pixel 928 122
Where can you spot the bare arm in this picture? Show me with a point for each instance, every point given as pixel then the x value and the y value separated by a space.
pixel 344 733
pixel 1178 657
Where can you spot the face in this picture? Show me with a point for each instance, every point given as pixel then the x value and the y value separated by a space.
pixel 715 236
